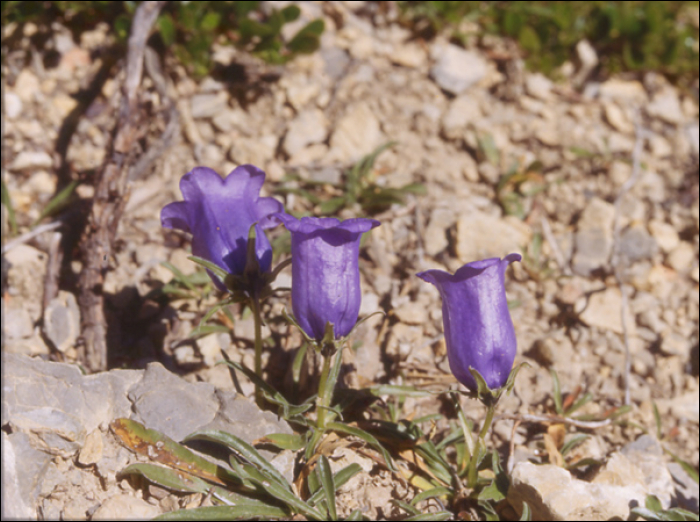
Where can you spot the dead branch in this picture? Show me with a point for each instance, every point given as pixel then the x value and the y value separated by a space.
pixel 111 196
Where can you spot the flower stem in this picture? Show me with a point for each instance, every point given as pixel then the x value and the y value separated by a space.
pixel 255 307
pixel 473 474
pixel 333 353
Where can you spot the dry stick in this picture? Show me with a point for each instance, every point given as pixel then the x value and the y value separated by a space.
pixel 53 269
pixel 111 196
pixel 47 227
pixel 556 251
pixel 640 134
pixel 588 425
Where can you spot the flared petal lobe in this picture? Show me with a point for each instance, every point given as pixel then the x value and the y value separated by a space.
pixel 325 272
pixel 219 212
pixel 479 332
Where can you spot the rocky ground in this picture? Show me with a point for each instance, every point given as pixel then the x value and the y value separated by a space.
pixel 594 181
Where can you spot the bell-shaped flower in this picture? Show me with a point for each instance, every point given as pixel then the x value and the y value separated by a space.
pixel 219 213
pixel 479 332
pixel 325 272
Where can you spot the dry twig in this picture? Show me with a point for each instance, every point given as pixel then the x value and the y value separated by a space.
pixel 640 135
pixel 111 196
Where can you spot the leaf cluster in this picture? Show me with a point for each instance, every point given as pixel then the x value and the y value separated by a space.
pixel 358 187
pixel 187 28
pixel 627 36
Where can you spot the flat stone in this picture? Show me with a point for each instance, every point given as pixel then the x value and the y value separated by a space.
pixel 636 244
pixel 687 492
pixel 666 106
pixel 594 237
pixel 12 104
pixel 308 127
pixel 256 151
pixel 27 85
pixel 25 278
pixel 210 347
pixel 693 132
pixel 554 350
pixel 664 234
pixel 461 112
pixel 617 118
pixel 480 236
pixel 91 452
pixel 29 160
pixel 356 134
pixel 208 105
pixel 56 405
pixel 16 323
pixel 539 86
pixel 673 343
pixel 456 69
pixel 62 321
pixel 125 507
pixel 23 467
pixel 623 90
pixel 164 402
pixel 435 236
pixel 408 54
pixel 412 313
pixel 648 456
pixel 681 258
pixel 603 310
pixel 553 494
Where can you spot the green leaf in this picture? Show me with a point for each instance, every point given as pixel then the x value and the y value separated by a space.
pixel 325 477
pixel 179 276
pixel 408 508
pixel 367 437
pixel 210 21
pixel 291 13
pixel 556 392
pixel 267 483
pixel 58 202
pixel 574 441
pixel 292 441
pixel 10 210
pixel 299 359
pixel 488 148
pixel 167 29
pixel 585 399
pixel 653 503
pixel 215 269
pixel 243 449
pixel 163 449
pixel 261 512
pixel 333 205
pixel 431 493
pixel 438 515
pixel 396 389
pixel 168 478
pixel 657 421
pixel 339 480
pixel 355 515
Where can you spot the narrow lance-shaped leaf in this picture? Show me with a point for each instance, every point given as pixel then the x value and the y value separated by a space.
pixel 245 450
pixel 163 449
pixel 168 478
pixel 323 468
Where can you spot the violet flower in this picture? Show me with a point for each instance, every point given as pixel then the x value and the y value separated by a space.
pixel 325 272
pixel 479 332
pixel 219 213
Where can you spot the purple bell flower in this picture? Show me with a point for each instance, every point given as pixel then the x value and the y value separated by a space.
pixel 479 332
pixel 325 272
pixel 219 212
